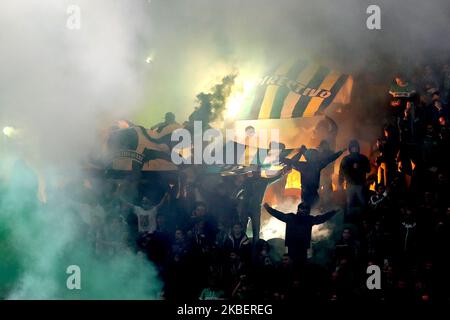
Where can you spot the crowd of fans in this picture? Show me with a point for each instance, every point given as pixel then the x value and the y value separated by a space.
pixel 396 216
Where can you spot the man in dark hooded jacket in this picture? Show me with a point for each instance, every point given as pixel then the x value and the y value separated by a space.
pixel 298 229
pixel 353 170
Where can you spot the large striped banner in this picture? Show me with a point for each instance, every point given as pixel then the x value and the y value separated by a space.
pixel 297 89
pixel 293 98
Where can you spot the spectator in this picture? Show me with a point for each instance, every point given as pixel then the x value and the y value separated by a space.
pixel 180 246
pixel 353 170
pixel 347 247
pixel 401 92
pixel 388 146
pixel 169 119
pixel 235 267
pixel 310 171
pixel 298 229
pixel 238 241
pixel 202 223
pixel 243 290
pixel 326 186
pixel 251 195
pixel 146 214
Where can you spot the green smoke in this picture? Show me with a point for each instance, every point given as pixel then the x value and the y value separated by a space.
pixel 39 241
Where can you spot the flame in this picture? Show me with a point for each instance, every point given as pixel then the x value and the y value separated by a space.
pixel 293 180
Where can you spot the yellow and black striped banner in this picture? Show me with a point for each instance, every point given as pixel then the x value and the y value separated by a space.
pixel 295 89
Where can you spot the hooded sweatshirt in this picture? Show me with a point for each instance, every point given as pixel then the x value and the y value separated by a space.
pixel 354 167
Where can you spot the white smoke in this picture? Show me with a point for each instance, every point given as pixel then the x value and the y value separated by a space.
pixel 58 82
pixel 197 42
pixel 58 87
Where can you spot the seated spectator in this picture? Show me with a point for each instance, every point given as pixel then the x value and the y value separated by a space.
pixel 234 269
pixel 347 247
pixel 376 200
pixel 180 247
pixel 222 234
pixel 243 290
pixel 201 219
pixel 238 241
pixel 377 242
pixel 408 236
pixel 284 273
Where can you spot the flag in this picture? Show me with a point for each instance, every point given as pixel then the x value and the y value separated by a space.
pixel 297 89
pixel 136 148
pixel 294 97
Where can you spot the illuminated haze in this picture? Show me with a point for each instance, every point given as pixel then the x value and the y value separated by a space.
pixel 57 87
pixel 60 85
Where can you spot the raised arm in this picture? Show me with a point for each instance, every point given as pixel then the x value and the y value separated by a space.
pixel 164 198
pixel 278 176
pixel 324 217
pixel 275 213
pixel 327 160
pixel 126 202
pixel 156 126
pixel 297 157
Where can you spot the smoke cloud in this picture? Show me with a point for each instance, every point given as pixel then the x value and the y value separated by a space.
pixel 197 42
pixel 59 85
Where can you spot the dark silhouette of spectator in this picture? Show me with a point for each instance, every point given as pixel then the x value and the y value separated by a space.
pixel 347 247
pixel 252 194
pixel 169 118
pixel 310 171
pixel 234 269
pixel 353 170
pixel 388 147
pixel 401 92
pixel 298 229
pixel 326 186
pixel 238 241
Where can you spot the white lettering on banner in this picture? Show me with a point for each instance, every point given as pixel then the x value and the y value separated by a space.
pixel 295 86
